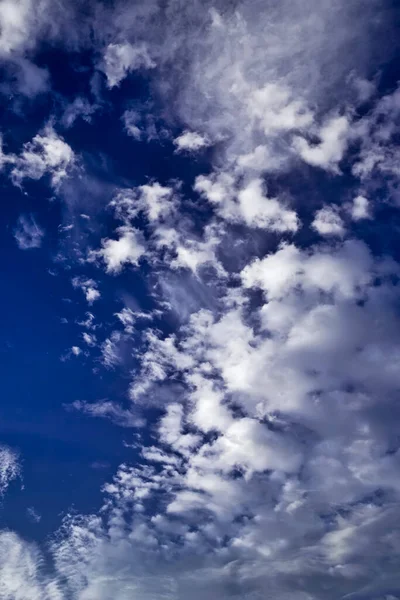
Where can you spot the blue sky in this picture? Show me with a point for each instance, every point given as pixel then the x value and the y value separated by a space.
pixel 200 326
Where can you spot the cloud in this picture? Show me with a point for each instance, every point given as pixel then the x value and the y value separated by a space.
pixel 110 350
pixel 121 59
pixel 127 249
pixel 88 287
pixel 360 208
pixel 89 339
pixel 328 153
pixel 191 141
pixel 9 467
pixel 327 221
pixel 48 154
pixel 248 205
pixel 21 571
pixel 28 234
pixel 270 370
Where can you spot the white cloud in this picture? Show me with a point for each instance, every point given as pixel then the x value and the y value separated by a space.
pixel 110 350
pixel 157 201
pixel 21 575
pixel 341 271
pixel 265 213
pixel 277 111
pixel 9 467
pixel 360 209
pixel 28 234
pixel 88 287
pixel 249 205
pixel 48 154
pixel 191 141
pixel 121 59
pixel 89 339
pixel 127 249
pixel 327 221
pixel 328 153
pixel 277 389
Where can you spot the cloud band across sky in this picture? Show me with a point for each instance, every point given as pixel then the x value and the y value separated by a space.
pixel 211 191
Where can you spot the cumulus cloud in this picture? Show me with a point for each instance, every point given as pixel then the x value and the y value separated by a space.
pixel 127 249
pixel 360 209
pixel 327 221
pixel 328 153
pixel 272 458
pixel 191 141
pixel 28 234
pixel 249 205
pixel 48 154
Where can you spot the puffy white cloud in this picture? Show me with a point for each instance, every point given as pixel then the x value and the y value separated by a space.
pixel 327 221
pixel 342 271
pixel 156 200
pixel 360 209
pixel 28 234
pixel 48 154
pixel 191 141
pixel 121 59
pixel 278 387
pixel 248 205
pixel 16 19
pixel 185 252
pixel 277 111
pixel 127 249
pixel 328 153
pixel 260 211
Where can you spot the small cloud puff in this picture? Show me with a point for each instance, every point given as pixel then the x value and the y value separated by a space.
pixel 360 209
pixel 48 154
pixel 191 141
pixel 127 249
pixel 327 221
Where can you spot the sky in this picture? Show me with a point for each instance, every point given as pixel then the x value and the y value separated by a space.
pixel 200 306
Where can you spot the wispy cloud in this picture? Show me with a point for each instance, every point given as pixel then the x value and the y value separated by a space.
pixel 28 234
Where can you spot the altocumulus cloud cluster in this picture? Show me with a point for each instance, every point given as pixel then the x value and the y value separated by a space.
pixel 225 176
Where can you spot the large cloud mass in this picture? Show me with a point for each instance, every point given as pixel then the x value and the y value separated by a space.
pixel 262 361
